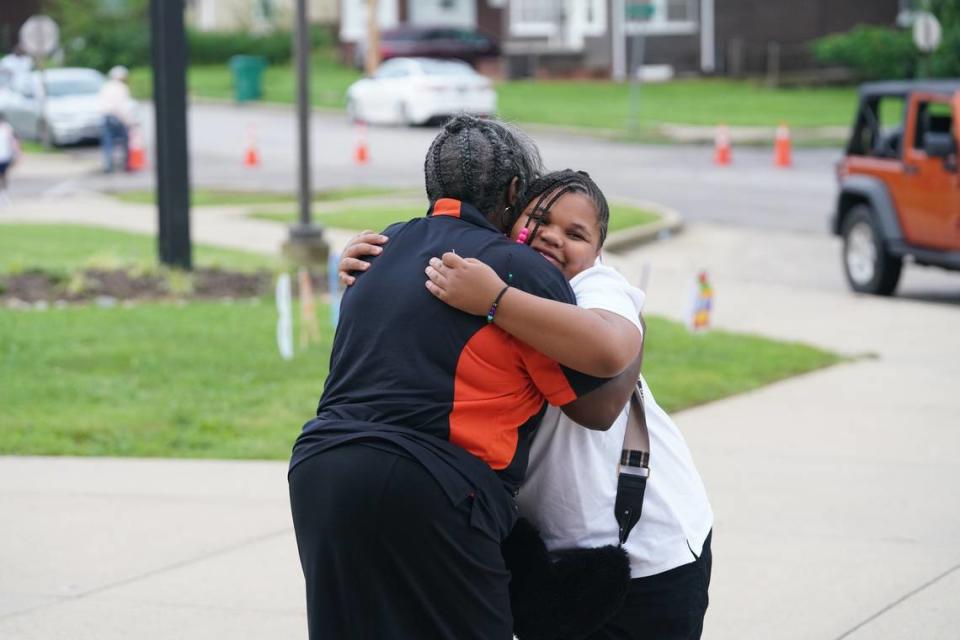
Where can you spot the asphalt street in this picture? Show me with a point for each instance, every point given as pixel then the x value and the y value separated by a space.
pixel 752 192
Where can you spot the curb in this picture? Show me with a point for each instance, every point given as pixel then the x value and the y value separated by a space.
pixel 670 223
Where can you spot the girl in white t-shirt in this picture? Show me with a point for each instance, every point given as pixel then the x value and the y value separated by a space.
pixel 571 483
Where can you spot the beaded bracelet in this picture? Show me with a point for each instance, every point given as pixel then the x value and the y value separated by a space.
pixel 493 307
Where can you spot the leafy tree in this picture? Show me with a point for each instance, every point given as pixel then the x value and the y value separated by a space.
pixel 103 33
pixel 888 53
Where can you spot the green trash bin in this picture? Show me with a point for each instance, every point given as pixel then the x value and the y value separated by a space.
pixel 247 77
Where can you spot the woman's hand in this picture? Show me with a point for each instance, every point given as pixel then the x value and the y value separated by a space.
pixel 463 283
pixel 366 243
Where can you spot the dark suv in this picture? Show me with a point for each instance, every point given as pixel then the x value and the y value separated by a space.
pixel 899 186
pixel 433 42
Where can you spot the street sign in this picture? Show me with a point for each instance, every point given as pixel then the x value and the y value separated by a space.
pixel 927 33
pixel 39 36
pixel 639 10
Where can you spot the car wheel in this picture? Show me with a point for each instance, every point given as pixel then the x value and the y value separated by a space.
pixel 868 265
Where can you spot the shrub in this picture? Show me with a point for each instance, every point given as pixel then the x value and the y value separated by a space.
pixel 881 52
pixel 216 47
pixel 100 34
pixel 873 53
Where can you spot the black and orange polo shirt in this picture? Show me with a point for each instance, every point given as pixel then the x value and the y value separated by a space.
pixel 404 362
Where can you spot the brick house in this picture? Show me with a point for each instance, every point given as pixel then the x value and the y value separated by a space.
pixel 585 36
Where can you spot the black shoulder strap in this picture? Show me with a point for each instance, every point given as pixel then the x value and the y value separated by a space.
pixel 634 466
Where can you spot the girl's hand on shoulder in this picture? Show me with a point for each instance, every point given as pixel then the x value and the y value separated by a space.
pixel 364 244
pixel 463 283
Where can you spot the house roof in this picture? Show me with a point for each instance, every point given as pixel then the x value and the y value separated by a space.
pixel 904 87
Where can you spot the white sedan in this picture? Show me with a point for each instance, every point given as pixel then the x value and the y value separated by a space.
pixel 55 108
pixel 418 90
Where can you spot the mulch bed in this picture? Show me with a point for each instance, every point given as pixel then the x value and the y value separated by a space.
pixel 99 285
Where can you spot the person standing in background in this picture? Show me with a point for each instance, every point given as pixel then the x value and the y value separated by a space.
pixel 13 64
pixel 115 106
pixel 9 151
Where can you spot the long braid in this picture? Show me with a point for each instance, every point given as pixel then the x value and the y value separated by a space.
pixel 469 179
pixel 437 165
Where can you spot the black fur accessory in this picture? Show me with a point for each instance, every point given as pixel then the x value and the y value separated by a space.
pixel 564 595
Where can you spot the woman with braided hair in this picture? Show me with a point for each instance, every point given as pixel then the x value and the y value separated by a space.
pixel 664 592
pixel 402 487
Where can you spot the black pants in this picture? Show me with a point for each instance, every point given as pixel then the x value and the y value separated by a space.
pixel 667 606
pixel 386 555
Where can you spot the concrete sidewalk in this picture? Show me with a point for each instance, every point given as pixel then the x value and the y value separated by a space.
pixel 835 492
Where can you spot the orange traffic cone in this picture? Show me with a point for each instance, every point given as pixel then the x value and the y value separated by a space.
pixel 722 152
pixel 136 158
pixel 362 153
pixel 250 157
pixel 781 147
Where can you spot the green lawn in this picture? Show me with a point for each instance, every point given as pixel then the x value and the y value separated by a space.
pixel 61 248
pixel 686 370
pixel 623 216
pixel 379 218
pixel 204 379
pixel 201 380
pixel 581 103
pixel 328 83
pixel 170 380
pixel 604 104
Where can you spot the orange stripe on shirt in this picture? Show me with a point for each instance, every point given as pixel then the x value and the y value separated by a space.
pixel 447 207
pixel 493 395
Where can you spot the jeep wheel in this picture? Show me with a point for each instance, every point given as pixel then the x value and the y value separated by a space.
pixel 868 265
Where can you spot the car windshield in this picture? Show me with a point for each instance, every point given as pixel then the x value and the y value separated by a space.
pixel 72 86
pixel 444 68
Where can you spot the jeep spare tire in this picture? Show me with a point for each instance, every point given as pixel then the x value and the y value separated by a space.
pixel 869 266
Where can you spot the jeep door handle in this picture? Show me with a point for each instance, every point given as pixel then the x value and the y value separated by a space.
pixel 911 169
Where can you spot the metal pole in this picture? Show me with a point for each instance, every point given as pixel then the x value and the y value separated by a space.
pixel 302 49
pixel 636 65
pixel 169 50
pixel 305 245
pixel 618 40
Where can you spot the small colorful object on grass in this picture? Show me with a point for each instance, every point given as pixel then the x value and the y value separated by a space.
pixel 702 303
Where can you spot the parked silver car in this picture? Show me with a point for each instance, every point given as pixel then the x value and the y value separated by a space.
pixel 56 107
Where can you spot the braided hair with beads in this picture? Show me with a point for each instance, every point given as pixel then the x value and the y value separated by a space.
pixel 547 189
pixel 475 161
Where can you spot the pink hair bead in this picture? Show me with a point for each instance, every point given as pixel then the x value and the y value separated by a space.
pixel 522 238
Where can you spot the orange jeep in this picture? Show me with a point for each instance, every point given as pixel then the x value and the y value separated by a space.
pixel 899 187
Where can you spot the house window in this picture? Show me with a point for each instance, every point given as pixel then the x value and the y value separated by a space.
pixel 535 17
pixel 669 17
pixel 595 20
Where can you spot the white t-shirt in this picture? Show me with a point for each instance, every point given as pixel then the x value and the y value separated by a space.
pixel 571 484
pixel 114 100
pixel 8 146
